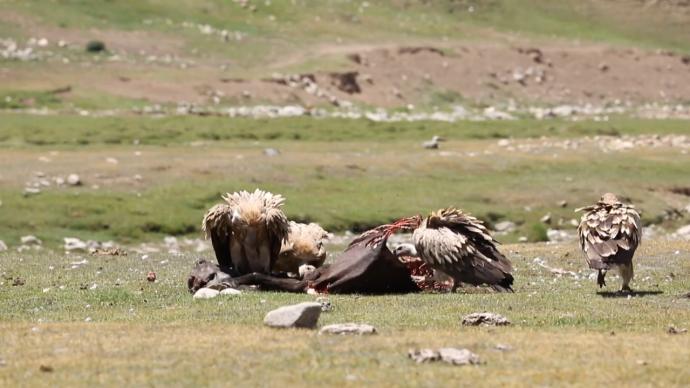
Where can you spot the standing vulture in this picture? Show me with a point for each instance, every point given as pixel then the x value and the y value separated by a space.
pixel 247 231
pixel 456 244
pixel 609 235
pixel 305 245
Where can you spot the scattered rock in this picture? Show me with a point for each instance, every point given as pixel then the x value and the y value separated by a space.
pixel 151 276
pixel 558 235
pixel 271 152
pixel 230 291
pixel 452 356
pixel 433 143
pixel 326 305
pixel 505 226
pixel 74 244
pixel 485 319
pixel 302 315
pixel 683 232
pixel 73 180
pixel 675 330
pixel 503 347
pixel 546 219
pixel 206 293
pixel 31 240
pixel 31 191
pixel 348 328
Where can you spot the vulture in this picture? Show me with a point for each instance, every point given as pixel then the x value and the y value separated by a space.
pixel 609 234
pixel 304 245
pixel 247 231
pixel 457 244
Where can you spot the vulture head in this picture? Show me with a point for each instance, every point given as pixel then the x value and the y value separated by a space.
pixel 405 249
pixel 609 199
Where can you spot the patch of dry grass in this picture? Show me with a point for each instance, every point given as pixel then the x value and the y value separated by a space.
pixel 155 334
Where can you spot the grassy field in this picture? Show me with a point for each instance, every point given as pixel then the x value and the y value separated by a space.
pixel 563 332
pixel 72 319
pixel 363 173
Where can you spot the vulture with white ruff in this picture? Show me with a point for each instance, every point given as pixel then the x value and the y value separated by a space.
pixel 610 232
pixel 247 231
pixel 304 245
pixel 456 244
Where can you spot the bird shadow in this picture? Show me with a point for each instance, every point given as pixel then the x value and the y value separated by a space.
pixel 625 294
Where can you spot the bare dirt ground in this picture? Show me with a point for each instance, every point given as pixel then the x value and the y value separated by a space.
pixel 396 76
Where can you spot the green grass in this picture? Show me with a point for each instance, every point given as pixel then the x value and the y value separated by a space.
pixel 72 130
pixel 155 334
pixel 346 175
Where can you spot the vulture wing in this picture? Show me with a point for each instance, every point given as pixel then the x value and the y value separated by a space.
pixel 609 234
pixel 461 246
pixel 216 226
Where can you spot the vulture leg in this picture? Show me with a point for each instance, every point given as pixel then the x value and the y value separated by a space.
pixel 627 275
pixel 601 281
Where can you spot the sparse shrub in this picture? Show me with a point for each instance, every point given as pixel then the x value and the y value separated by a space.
pixel 537 233
pixel 95 46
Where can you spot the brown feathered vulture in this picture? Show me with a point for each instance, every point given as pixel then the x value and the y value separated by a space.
pixel 304 245
pixel 456 244
pixel 610 232
pixel 247 231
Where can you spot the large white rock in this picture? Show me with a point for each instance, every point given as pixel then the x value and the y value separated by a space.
pixel 302 315
pixel 348 328
pixel 684 232
pixel 206 293
pixel 485 319
pixel 453 356
pixel 73 180
pixel 230 291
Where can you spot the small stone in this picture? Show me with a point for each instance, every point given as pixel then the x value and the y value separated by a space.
pixel 546 219
pixel 458 356
pixel 74 244
pixel 231 291
pixel 674 330
pixel 503 347
pixel 522 239
pixel 30 240
pixel 206 293
pixel 73 180
pixel 271 152
pixel 46 368
pixel 485 319
pixel 303 315
pixel 326 305
pixel 505 226
pixel 452 356
pixel 3 246
pixel 151 276
pixel 348 328
pixel 563 203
